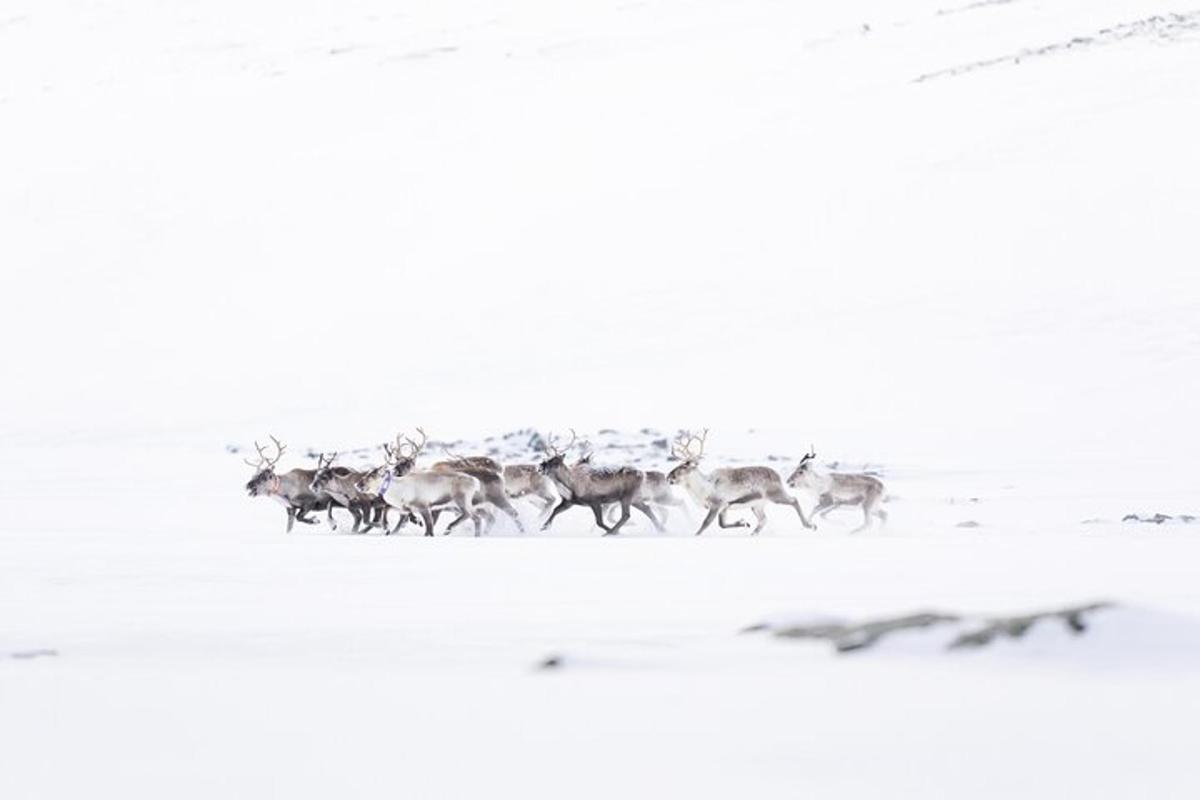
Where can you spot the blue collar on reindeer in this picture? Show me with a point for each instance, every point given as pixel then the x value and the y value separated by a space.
pixel 387 481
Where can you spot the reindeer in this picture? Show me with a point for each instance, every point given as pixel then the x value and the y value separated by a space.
pixel 722 488
pixel 585 485
pixel 527 481
pixel 491 480
pixel 401 486
pixel 338 483
pixel 838 489
pixel 656 492
pixel 292 488
pixel 520 480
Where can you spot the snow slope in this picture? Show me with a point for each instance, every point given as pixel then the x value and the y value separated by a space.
pixel 952 240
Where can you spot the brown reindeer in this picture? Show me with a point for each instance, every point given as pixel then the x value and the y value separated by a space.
pixel 338 483
pixel 291 488
pixel 585 485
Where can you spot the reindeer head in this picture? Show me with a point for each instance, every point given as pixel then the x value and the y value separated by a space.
pixel 399 460
pixel 264 468
pixel 403 457
pixel 323 474
pixel 556 453
pixel 804 470
pixel 687 448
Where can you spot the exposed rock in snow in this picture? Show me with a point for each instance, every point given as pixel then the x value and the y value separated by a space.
pixel 1159 518
pixel 949 630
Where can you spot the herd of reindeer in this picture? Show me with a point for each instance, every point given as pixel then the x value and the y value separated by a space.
pixel 476 486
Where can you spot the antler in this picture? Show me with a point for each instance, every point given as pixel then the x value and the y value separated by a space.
pixel 585 451
pixel 326 461
pixel 409 448
pixel 389 453
pixel 264 460
pixel 451 454
pixel 553 448
pixel 681 448
pixel 810 455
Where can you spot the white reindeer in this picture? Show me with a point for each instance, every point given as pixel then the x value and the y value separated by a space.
pixel 838 489
pixel 729 486
pixel 402 487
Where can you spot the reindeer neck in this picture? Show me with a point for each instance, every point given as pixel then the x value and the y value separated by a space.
pixel 698 484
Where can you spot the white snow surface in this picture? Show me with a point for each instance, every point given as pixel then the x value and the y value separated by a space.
pixel 953 242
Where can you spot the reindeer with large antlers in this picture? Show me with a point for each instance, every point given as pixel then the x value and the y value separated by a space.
pixel 402 486
pixel 586 485
pixel 291 488
pixel 728 486
pixel 838 489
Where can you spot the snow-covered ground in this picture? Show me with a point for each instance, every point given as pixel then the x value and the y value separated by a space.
pixel 952 241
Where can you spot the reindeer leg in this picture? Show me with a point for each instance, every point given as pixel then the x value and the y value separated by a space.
pixel 467 503
pixel 757 508
pixel 598 510
pixel 291 512
pixel 824 505
pixel 455 522
pixel 624 517
pixel 724 523
pixel 507 508
pixel 563 505
pixel 406 516
pixel 427 518
pixel 329 515
pixel 778 495
pixel 645 509
pixel 712 514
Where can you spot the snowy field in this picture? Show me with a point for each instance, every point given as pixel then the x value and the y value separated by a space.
pixel 951 242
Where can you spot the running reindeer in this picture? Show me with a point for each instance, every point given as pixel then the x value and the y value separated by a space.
pixel 490 475
pixel 729 486
pixel 292 488
pixel 585 485
pixel 656 492
pixel 838 489
pixel 402 486
pixel 338 483
pixel 520 480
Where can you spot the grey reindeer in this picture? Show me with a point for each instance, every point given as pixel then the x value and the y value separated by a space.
pixel 729 486
pixel 585 485
pixel 837 489
pixel 292 488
